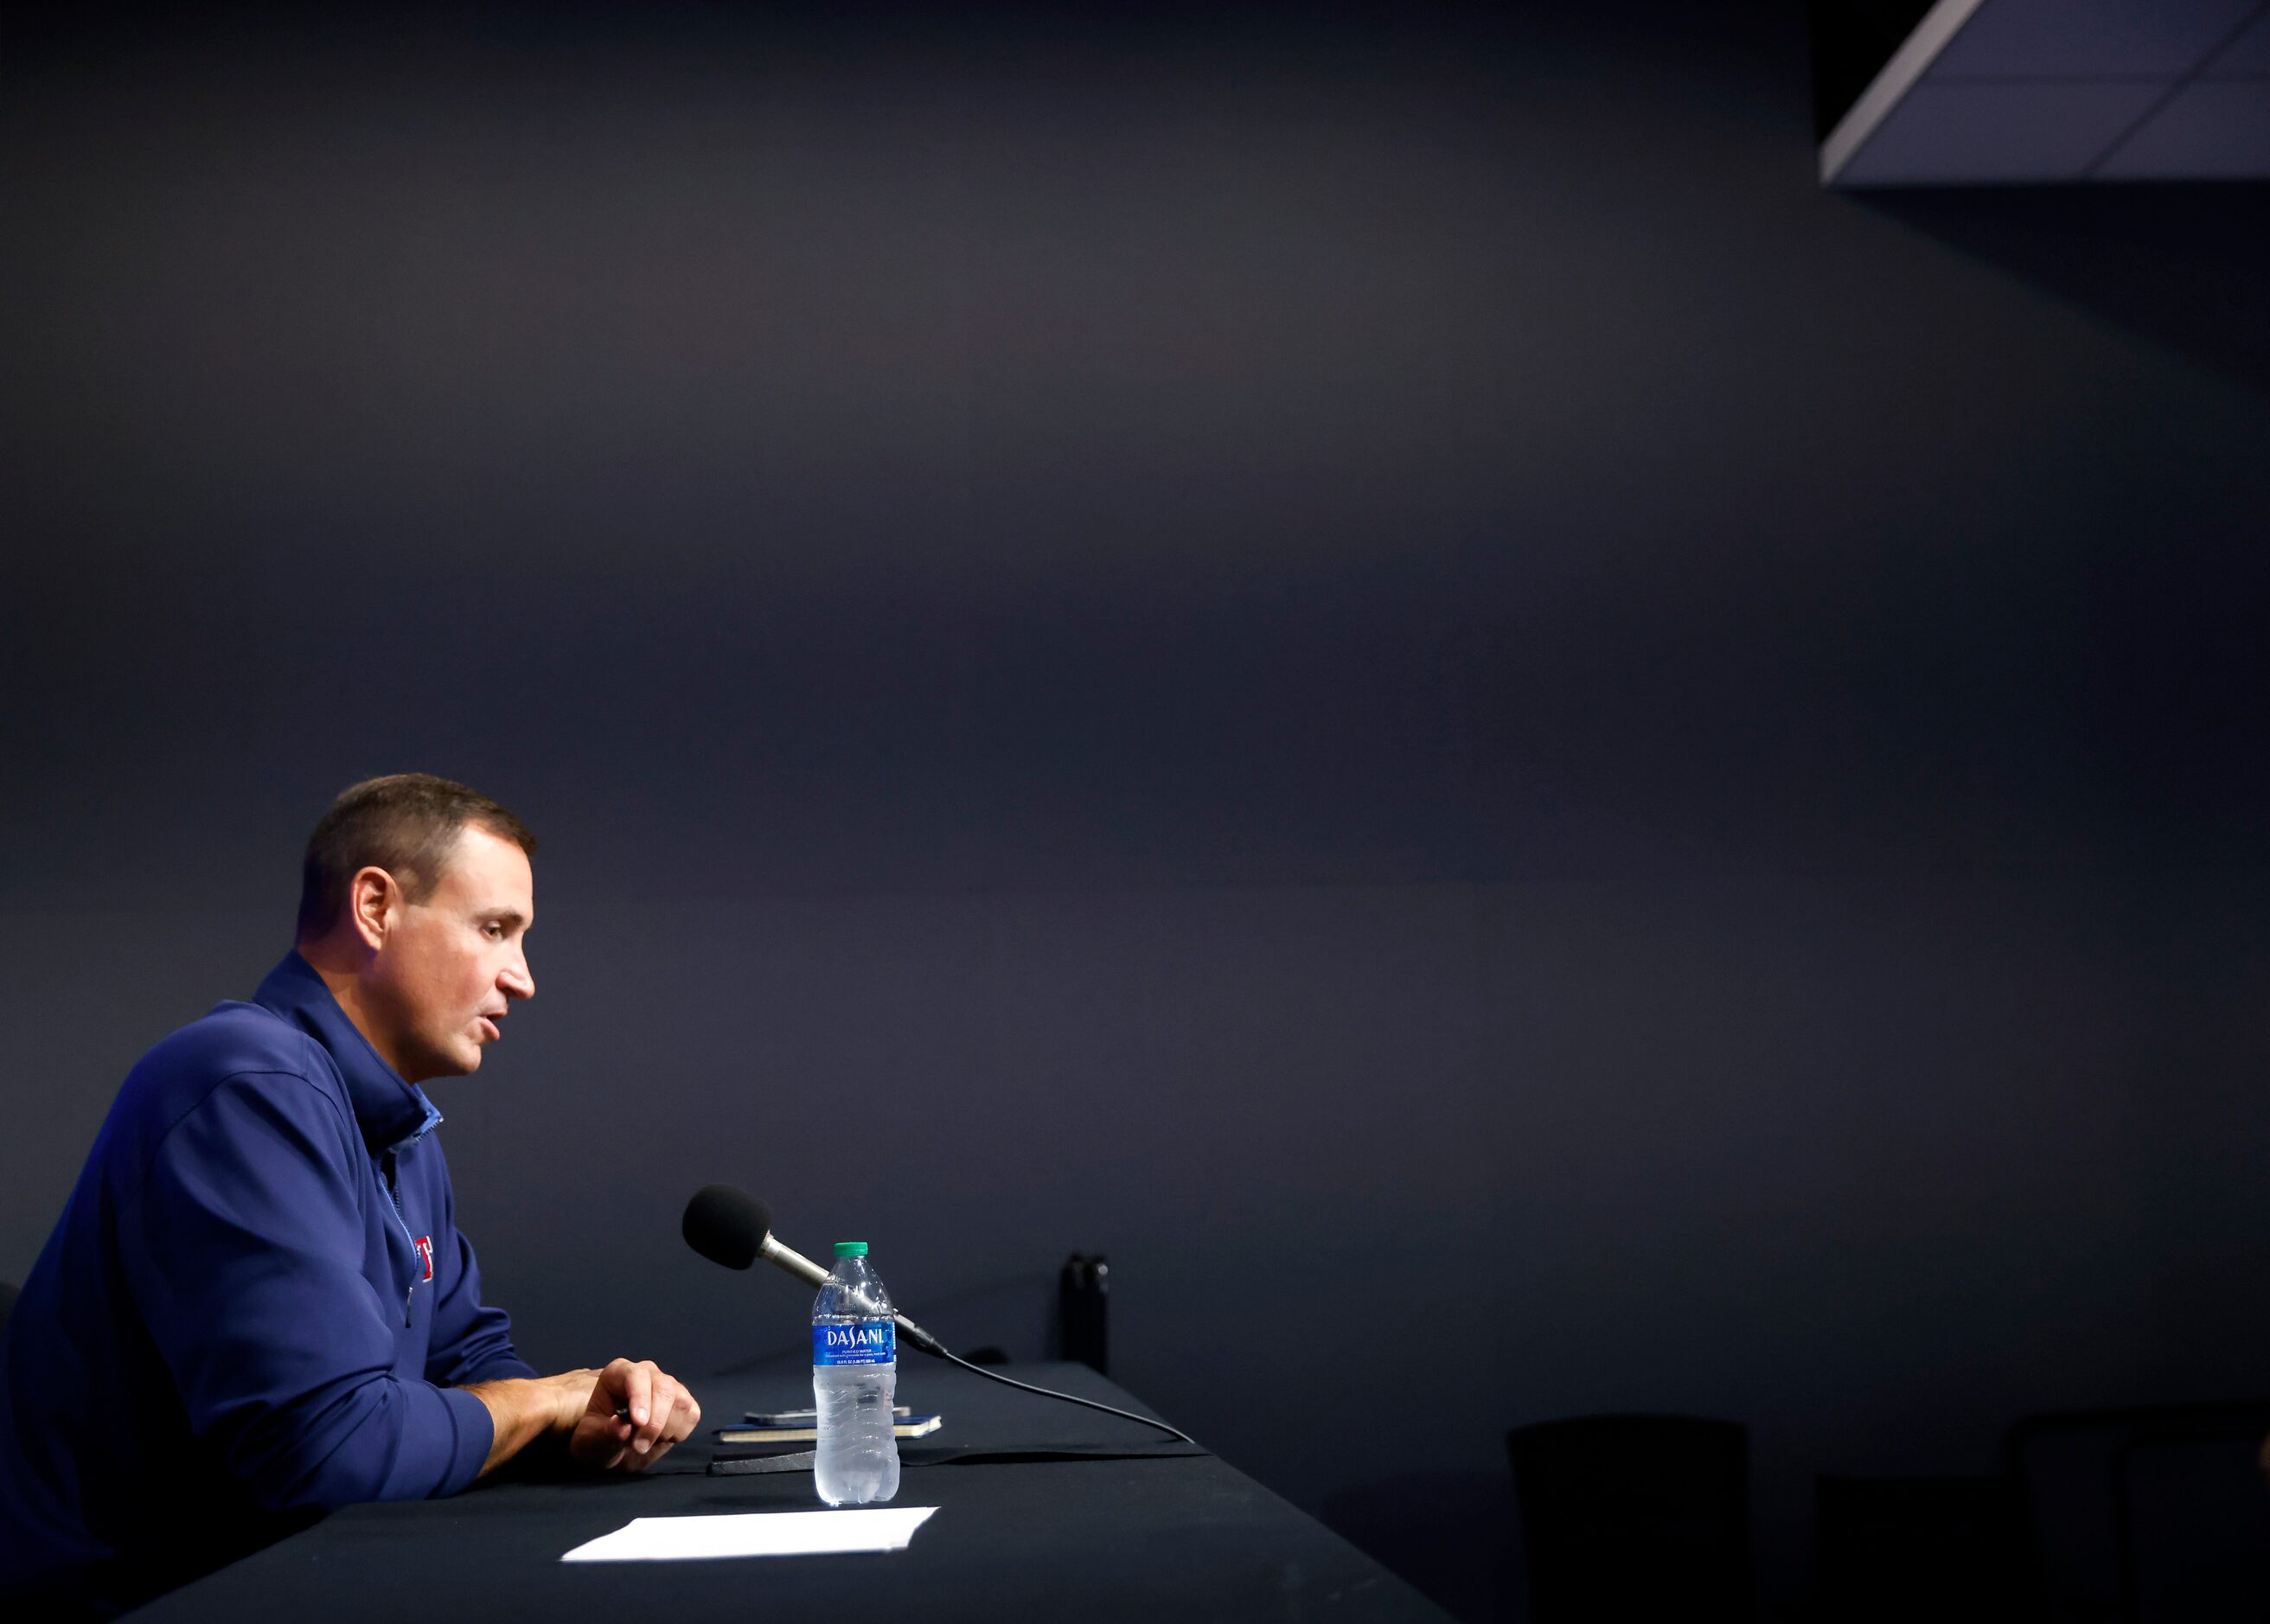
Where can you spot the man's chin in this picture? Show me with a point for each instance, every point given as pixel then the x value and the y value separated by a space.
pixel 458 1060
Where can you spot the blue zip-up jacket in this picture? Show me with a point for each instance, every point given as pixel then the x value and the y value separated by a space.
pixel 255 1305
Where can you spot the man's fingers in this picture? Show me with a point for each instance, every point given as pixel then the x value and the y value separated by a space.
pixel 671 1403
pixel 638 1392
pixel 650 1408
pixel 611 1401
pixel 650 1443
pixel 676 1416
pixel 686 1417
pixel 646 1410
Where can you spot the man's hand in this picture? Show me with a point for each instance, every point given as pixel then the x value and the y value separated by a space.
pixel 660 1411
pixel 580 1407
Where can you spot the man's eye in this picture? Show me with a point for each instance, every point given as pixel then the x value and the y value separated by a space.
pixel 496 931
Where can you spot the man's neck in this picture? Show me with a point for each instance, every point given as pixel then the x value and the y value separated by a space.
pixel 340 968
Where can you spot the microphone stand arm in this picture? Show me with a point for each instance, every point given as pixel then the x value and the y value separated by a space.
pixel 797 1264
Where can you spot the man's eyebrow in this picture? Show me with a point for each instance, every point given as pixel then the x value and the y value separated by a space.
pixel 503 915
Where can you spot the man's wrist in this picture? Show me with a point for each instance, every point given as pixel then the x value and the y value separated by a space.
pixel 571 1396
pixel 522 1410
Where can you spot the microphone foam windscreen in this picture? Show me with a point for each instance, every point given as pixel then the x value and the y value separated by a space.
pixel 726 1226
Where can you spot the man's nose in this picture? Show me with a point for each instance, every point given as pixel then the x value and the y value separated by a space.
pixel 518 980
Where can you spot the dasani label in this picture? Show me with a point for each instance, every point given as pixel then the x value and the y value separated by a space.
pixel 869 1342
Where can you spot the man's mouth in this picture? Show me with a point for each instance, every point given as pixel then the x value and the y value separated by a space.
pixel 490 1022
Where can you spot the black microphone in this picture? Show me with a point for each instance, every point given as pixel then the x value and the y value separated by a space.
pixel 732 1227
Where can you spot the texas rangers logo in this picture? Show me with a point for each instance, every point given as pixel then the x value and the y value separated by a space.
pixel 425 1245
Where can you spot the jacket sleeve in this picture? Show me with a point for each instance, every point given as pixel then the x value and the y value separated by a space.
pixel 472 1341
pixel 246 1260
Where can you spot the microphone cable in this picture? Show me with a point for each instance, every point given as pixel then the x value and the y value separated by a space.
pixel 733 1229
pixel 1051 1392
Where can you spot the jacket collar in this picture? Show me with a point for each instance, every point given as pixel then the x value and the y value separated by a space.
pixel 392 1114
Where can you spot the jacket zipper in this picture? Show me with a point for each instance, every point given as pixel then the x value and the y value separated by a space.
pixel 387 1171
pixel 394 1194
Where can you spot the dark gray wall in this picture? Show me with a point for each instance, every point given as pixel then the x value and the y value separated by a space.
pixel 1372 661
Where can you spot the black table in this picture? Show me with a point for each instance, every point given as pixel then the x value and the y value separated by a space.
pixel 1139 1526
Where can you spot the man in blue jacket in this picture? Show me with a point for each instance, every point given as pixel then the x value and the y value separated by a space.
pixel 256 1303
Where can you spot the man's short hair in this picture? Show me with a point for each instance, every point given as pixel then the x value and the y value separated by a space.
pixel 405 823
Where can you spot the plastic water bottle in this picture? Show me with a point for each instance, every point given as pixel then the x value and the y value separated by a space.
pixel 854 1376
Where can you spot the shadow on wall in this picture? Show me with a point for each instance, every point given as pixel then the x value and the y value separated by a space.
pixel 2184 265
pixel 1452 1535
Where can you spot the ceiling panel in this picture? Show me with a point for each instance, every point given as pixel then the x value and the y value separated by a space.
pixel 1998 132
pixel 2213 130
pixel 2059 38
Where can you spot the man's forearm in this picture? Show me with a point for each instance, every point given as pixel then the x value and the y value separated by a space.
pixel 522 1411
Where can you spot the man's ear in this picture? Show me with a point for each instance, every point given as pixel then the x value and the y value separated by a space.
pixel 374 904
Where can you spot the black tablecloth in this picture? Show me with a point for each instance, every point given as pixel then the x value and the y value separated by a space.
pixel 1142 1527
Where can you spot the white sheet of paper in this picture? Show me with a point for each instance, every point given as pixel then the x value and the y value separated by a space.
pixel 755 1533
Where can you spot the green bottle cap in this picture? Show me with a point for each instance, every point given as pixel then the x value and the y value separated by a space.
pixel 850 1248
